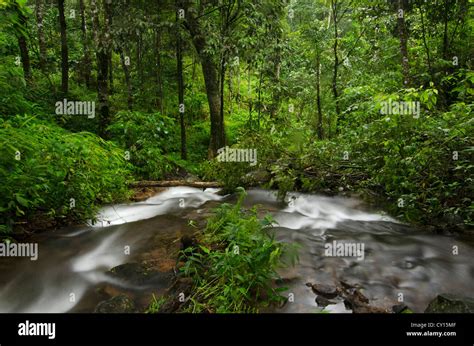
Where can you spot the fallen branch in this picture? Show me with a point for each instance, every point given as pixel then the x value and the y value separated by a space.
pixel 172 183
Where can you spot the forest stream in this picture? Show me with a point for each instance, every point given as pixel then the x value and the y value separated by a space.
pixel 72 274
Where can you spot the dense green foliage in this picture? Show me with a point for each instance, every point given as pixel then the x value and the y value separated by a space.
pixel 370 96
pixel 235 264
pixel 145 138
pixel 50 173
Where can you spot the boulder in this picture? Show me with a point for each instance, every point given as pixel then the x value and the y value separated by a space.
pixel 447 303
pixel 323 302
pixel 326 291
pixel 139 275
pixel 117 304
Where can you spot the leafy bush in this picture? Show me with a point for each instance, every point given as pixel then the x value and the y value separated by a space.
pixel 234 267
pixel 422 167
pixel 148 139
pixel 233 174
pixel 43 167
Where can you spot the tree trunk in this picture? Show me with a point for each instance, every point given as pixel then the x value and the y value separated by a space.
pixel 336 60
pixel 102 38
pixel 318 95
pixel 108 13
pixel 139 56
pixel 159 70
pixel 210 71
pixel 249 96
pixel 64 50
pixel 403 35
pixel 276 86
pixel 222 87
pixel 111 75
pixel 445 31
pixel 85 42
pixel 39 10
pixel 259 99
pixel 427 49
pixel 179 66
pixel 126 72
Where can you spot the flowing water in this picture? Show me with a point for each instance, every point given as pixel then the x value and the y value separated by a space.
pixel 398 261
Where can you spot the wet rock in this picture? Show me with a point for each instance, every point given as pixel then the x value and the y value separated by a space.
pixel 399 308
pixel 346 285
pixel 363 308
pixel 134 273
pixel 139 275
pixel 117 304
pixel 325 290
pixel 323 302
pixel 447 303
pixel 359 296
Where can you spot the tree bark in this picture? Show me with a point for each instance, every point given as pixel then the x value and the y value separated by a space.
pixel 64 50
pixel 276 87
pixel 222 86
pixel 126 72
pixel 403 36
pixel 179 67
pixel 427 49
pixel 39 10
pixel 102 38
pixel 159 71
pixel 109 18
pixel 445 31
pixel 85 42
pixel 335 91
pixel 210 71
pixel 318 95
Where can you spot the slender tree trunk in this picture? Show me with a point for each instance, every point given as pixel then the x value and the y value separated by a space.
pixel 159 70
pixel 403 35
pixel 64 50
pixel 179 66
pixel 139 56
pixel 102 37
pixel 238 96
pixel 427 49
pixel 318 95
pixel 85 42
pixel 22 44
pixel 126 72
pixel 111 75
pixel 39 10
pixel 445 31
pixel 259 102
pixel 109 18
pixel 249 95
pixel 222 87
pixel 276 86
pixel 335 91
pixel 210 71
pixel 212 90
pixel 25 58
pixel 231 87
